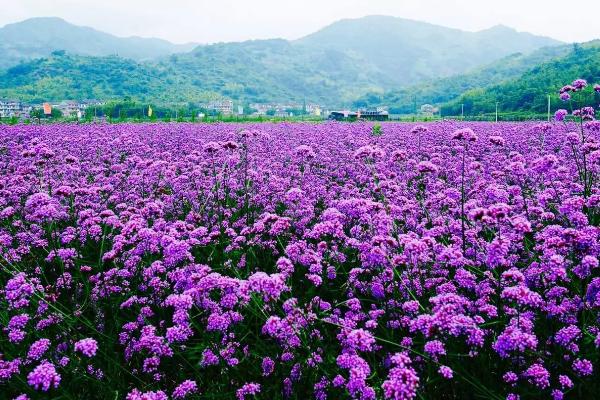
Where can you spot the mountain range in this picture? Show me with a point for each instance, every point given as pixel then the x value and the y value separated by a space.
pixel 370 60
pixel 406 52
pixel 530 90
pixel 443 90
pixel 38 37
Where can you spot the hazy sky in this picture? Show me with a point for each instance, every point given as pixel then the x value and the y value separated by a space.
pixel 231 20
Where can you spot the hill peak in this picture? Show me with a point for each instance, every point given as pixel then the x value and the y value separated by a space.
pixel 39 36
pixel 500 28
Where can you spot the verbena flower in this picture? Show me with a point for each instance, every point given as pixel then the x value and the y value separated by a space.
pixel 184 389
pixel 538 375
pixel 248 389
pixel 579 84
pixel 38 348
pixel 465 134
pixel 88 347
pixel 446 372
pixel 135 394
pixel 252 259
pixel 565 96
pixel 560 115
pixel 583 367
pixel 44 377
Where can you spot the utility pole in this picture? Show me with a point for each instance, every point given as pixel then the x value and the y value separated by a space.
pixel 415 108
pixel 548 108
pixel 496 111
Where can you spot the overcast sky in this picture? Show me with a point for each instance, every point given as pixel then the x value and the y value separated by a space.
pixel 233 20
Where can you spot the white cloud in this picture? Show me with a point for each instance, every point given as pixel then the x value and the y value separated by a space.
pixel 229 20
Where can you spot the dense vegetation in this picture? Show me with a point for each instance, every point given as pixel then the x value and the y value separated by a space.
pixel 440 91
pixel 65 76
pixel 38 37
pixel 530 91
pixel 333 66
pixel 520 83
pixel 406 52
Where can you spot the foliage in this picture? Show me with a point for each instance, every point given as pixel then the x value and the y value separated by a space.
pixel 334 66
pixel 530 91
pixel 440 91
pixel 40 37
pixel 376 130
pixel 64 76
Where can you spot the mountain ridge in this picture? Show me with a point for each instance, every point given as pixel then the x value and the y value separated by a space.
pixel 335 65
pixel 38 37
pixel 407 50
pixel 443 90
pixel 530 90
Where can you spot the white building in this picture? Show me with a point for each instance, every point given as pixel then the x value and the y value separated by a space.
pixel 262 108
pixel 14 108
pixel 224 107
pixel 313 109
pixel 68 108
pixel 288 106
pixel 428 110
pixel 90 103
pixel 283 114
pixel 9 108
pixel 276 109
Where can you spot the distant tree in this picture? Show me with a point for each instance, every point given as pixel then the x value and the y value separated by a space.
pixel 56 113
pixel 37 113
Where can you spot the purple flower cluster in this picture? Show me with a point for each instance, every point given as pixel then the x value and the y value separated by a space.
pixel 155 261
pixel 249 389
pixel 44 377
pixel 88 347
pixel 402 381
pixel 38 348
pixel 187 387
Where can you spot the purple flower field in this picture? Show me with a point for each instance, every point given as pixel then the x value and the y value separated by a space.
pixel 296 261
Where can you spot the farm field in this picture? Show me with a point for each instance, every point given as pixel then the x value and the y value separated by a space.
pixel 327 261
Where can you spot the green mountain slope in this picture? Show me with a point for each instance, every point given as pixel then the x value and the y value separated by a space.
pixel 264 71
pixel 38 37
pixel 64 76
pixel 529 92
pixel 274 70
pixel 406 52
pixel 439 91
pixel 334 66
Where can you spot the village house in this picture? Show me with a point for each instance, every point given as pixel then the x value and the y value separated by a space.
pixel 14 108
pixel 374 114
pixel 283 114
pixel 261 108
pixel 9 108
pixel 68 108
pixel 428 110
pixel 276 109
pixel 313 109
pixel 369 114
pixel 224 107
pixel 90 103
